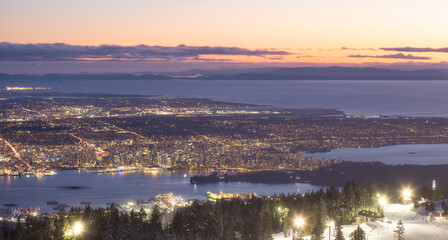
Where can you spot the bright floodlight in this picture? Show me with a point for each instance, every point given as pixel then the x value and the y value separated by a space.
pixel 330 224
pixel 382 201
pixel 407 193
pixel 299 222
pixel 77 228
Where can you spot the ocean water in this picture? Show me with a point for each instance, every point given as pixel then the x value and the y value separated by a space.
pixel 420 154
pixel 366 97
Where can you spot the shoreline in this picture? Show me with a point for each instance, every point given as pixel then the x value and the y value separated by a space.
pixel 385 176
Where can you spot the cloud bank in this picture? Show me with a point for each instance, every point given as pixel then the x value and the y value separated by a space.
pixel 65 52
pixel 357 49
pixel 413 49
pixel 394 56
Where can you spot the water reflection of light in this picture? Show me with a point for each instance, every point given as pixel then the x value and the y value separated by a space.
pixel 40 178
pixel 7 180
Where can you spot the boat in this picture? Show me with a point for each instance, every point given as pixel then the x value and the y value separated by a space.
pixel 28 173
pixel 152 170
pixel 10 205
pixel 411 152
pixel 52 203
pixel 50 173
pixel 118 169
pixel 213 197
pixel 85 203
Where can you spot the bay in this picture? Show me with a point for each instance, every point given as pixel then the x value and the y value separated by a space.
pixel 100 189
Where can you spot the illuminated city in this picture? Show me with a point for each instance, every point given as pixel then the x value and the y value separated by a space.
pixel 223 120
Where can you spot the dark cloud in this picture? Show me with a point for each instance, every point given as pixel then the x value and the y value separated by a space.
pixel 306 56
pixel 66 52
pixel 275 58
pixel 201 59
pixel 394 56
pixel 357 49
pixel 413 49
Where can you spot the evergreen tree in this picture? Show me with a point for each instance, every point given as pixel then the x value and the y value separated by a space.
pixel 444 207
pixel 358 234
pixel 4 235
pixel 124 231
pixel 286 228
pixel 425 192
pixel 112 225
pixel 5 230
pixel 319 226
pixel 399 231
pixel 19 229
pixel 338 235
pixel 155 223
pixel 49 228
pixel 266 222
pixel 437 194
pixel 251 224
pixel 348 202
pixel 177 224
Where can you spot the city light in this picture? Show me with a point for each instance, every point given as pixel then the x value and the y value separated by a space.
pixel 382 201
pixel 407 193
pixel 299 222
pixel 77 228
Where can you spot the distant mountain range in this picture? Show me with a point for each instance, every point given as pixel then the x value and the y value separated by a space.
pixel 299 73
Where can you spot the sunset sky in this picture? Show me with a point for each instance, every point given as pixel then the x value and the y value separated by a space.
pixel 170 35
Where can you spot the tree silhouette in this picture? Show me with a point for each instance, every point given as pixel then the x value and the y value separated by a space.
pixel 338 235
pixel 358 234
pixel 399 231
